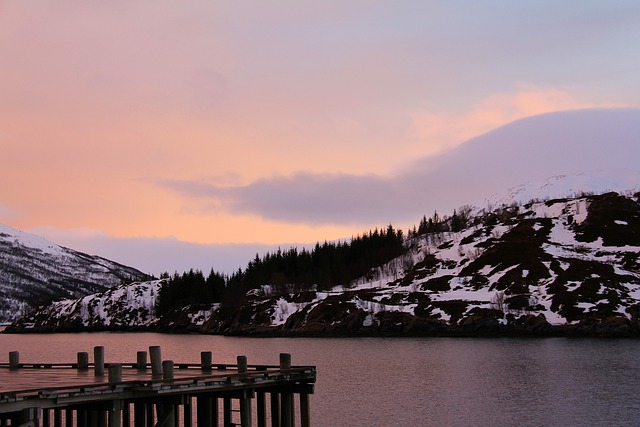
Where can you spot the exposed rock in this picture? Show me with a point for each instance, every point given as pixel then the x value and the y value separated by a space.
pixel 549 268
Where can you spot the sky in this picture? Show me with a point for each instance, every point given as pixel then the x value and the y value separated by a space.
pixel 168 135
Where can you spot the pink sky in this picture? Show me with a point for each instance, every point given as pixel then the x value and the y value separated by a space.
pixel 156 120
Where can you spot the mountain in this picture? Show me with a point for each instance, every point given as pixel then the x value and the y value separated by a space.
pixel 530 150
pixel 547 266
pixel 123 307
pixel 558 266
pixel 34 271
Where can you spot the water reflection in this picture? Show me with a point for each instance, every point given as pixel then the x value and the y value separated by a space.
pixel 429 382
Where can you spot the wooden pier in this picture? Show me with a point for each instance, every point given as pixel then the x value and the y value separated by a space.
pixel 154 394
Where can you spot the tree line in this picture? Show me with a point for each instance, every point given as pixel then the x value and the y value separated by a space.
pixel 293 270
pixel 324 266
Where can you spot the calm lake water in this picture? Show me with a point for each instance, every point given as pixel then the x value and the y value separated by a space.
pixel 413 381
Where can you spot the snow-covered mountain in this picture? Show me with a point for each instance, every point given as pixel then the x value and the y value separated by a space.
pixel 123 307
pixel 547 266
pixel 34 270
pixel 557 266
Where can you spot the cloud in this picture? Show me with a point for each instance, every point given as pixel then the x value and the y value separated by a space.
pixel 444 130
pixel 529 149
pixel 309 198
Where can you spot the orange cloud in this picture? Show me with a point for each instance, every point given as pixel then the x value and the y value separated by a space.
pixel 448 129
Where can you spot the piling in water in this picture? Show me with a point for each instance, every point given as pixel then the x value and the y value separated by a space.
pixel 98 360
pixel 187 397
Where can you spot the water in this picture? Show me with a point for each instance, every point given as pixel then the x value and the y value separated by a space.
pixel 411 382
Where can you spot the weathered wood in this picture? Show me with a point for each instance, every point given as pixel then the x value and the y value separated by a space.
pixel 149 416
pixel 205 361
pixel 167 371
pixel 275 409
pixel 126 415
pixel 98 360
pixel 68 418
pixel 242 364
pixel 156 360
pixel 82 417
pixel 215 415
pixel 286 399
pixel 57 417
pixel 245 412
pixel 139 414
pixel 107 401
pixel 226 411
pixel 14 360
pixel 261 410
pixel 141 360
pixel 286 404
pixel 187 412
pixel 115 373
pixel 204 414
pixel 305 413
pixel 46 418
pixel 285 361
pixel 115 412
pixel 83 360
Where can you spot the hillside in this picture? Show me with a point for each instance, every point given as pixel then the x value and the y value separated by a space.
pixel 34 271
pixel 565 266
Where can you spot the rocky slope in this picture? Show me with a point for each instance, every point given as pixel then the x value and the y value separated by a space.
pixel 34 270
pixel 565 266
pixel 123 307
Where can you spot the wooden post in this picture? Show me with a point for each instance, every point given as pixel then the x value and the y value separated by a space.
pixel 126 415
pixel 150 414
pixel 261 409
pixel 187 416
pixel 141 361
pixel 82 417
pixel 275 409
pixel 115 373
pixel 57 417
pixel 286 400
pixel 245 400
pixel 245 409
pixel 205 361
pixel 242 364
pixel 204 413
pixel 167 371
pixel 68 418
pixel 226 411
pixel 115 412
pixel 305 414
pixel 156 360
pixel 214 411
pixel 14 360
pixel 139 415
pixel 98 360
pixel 92 417
pixel 83 361
pixel 285 361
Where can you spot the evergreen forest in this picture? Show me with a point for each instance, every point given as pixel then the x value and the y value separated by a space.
pixel 293 270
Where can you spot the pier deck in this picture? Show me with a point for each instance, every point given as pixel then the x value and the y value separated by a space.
pixel 160 393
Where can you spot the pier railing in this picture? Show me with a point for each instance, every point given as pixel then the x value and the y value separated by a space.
pixel 159 393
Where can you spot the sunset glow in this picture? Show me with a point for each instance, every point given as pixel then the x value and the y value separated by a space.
pixel 168 120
